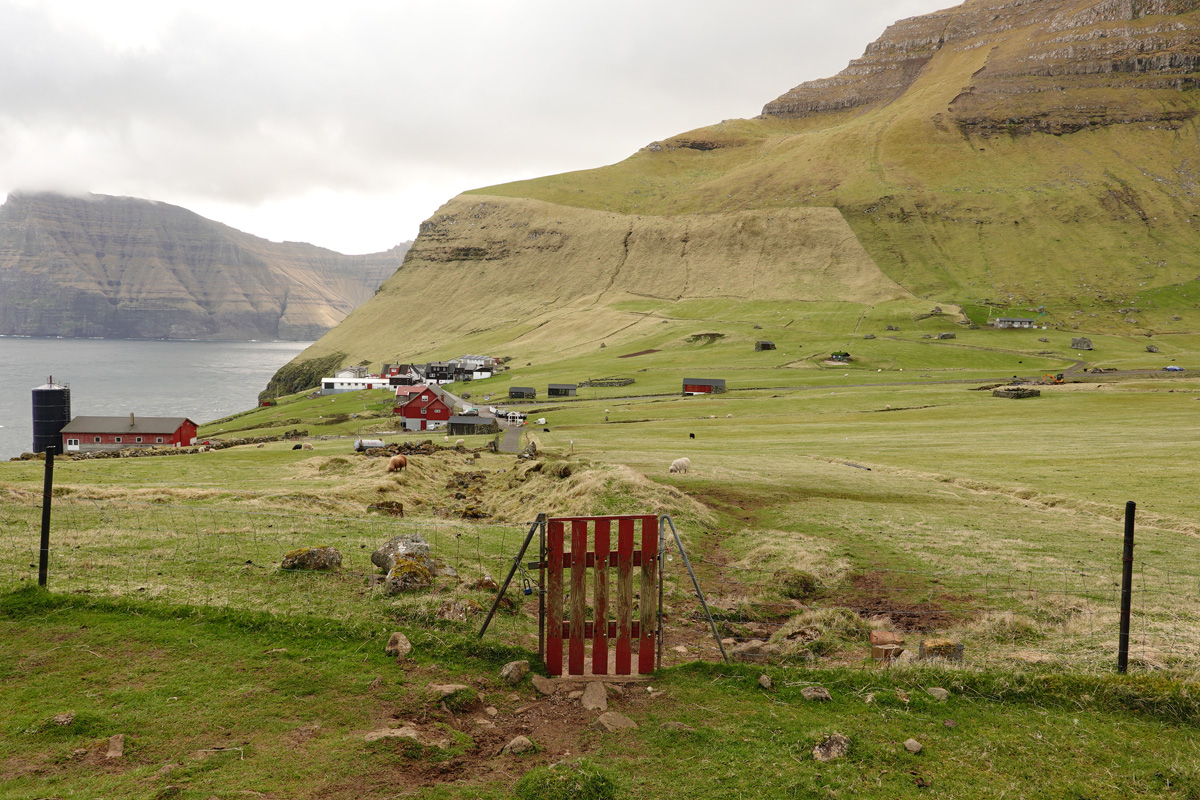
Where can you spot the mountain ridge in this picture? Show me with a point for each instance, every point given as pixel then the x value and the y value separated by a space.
pixel 120 267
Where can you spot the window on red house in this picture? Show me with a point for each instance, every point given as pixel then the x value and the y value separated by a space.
pixel 117 439
pixel 96 439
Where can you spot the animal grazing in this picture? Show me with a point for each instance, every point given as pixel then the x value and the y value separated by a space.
pixel 306 446
pixel 680 465
pixel 397 463
pixel 296 447
pixel 545 430
pixel 460 443
pixel 691 436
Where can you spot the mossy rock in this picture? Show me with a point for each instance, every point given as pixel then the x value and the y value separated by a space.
pixel 314 558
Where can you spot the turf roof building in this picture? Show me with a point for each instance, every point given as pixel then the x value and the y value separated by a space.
pixel 522 393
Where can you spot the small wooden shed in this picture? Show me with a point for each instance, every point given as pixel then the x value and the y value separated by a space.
pixel 561 390
pixel 522 393
pixel 703 385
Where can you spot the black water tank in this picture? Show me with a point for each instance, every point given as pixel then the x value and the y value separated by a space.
pixel 51 413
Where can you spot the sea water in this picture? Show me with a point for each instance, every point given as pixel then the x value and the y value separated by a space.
pixel 115 377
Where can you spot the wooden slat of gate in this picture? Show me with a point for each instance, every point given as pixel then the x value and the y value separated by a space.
pixel 600 604
pixel 624 595
pixel 648 604
pixel 579 549
pixel 554 598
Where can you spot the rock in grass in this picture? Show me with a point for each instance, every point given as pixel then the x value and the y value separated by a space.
pixel 543 685
pixel 938 693
pixel 595 697
pixel 677 727
pixel 514 672
pixel 816 693
pixel 407 575
pixel 913 746
pixel 834 746
pixel 116 746
pixel 612 722
pixel 520 744
pixel 765 682
pixel 398 645
pixel 314 558
pixel 393 733
pixel 410 546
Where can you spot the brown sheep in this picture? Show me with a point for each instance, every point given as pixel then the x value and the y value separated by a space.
pixel 397 463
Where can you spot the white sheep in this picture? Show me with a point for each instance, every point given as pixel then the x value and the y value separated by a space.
pixel 460 442
pixel 681 465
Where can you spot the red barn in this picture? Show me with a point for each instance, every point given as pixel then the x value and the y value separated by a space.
pixel 88 434
pixel 425 411
pixel 703 385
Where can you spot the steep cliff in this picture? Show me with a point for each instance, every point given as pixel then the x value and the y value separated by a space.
pixel 118 267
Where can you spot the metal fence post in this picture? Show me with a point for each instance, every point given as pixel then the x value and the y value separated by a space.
pixel 1126 588
pixel 47 492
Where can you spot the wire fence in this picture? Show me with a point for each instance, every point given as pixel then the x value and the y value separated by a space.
pixel 1059 618
pixel 230 554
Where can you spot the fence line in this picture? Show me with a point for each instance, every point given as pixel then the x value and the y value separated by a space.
pixel 228 554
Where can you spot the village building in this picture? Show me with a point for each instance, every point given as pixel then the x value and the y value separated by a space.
pixel 561 390
pixel 91 434
pixel 341 385
pixel 522 393
pixel 1013 322
pixel 439 372
pixel 764 344
pixel 401 374
pixel 703 385
pixel 425 411
pixel 351 372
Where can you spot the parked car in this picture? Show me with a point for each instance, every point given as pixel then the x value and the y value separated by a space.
pixel 1173 368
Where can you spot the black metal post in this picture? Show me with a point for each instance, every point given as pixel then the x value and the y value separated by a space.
pixel 1126 588
pixel 47 492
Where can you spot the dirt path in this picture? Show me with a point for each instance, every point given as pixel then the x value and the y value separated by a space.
pixel 511 443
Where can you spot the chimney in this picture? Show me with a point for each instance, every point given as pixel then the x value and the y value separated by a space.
pixel 131 421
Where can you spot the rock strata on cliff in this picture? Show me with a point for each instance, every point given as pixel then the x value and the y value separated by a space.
pixel 1051 66
pixel 117 267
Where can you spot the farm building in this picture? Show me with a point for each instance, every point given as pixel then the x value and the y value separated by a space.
pixel 466 425
pixel 703 385
pixel 1012 322
pixel 351 372
pixel 522 393
pixel 424 411
pixel 840 356
pixel 90 434
pixel 341 385
pixel 763 344
pixel 561 390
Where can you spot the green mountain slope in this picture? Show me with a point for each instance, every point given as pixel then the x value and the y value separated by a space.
pixel 1037 157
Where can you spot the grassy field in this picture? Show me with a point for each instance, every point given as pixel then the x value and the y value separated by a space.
pixel 229 704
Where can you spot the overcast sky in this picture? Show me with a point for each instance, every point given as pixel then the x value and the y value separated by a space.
pixel 346 123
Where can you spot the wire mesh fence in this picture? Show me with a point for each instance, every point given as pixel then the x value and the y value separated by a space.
pixel 230 555
pixel 1064 618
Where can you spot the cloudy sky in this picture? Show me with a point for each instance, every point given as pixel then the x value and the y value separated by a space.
pixel 346 123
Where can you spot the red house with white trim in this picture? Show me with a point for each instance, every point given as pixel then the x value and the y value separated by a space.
pixel 89 434
pixel 425 411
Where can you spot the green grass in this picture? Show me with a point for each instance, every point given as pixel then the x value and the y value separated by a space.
pixel 225 703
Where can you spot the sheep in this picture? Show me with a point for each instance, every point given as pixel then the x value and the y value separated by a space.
pixel 306 446
pixel 397 463
pixel 691 436
pixel 680 465
pixel 297 447
pixel 460 442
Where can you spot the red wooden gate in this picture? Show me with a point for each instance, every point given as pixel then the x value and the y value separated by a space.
pixel 590 548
